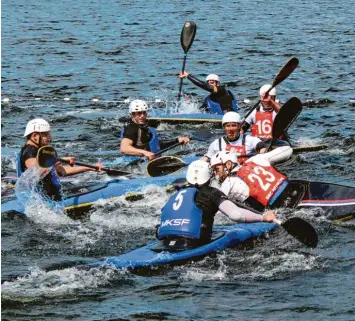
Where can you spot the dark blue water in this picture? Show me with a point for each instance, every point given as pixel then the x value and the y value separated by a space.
pixel 113 51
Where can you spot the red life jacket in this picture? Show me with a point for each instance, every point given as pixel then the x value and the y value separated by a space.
pixel 263 181
pixel 263 124
pixel 240 149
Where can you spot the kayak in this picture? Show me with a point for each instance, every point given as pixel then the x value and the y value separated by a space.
pixel 194 119
pixel 81 198
pixel 337 202
pixel 159 253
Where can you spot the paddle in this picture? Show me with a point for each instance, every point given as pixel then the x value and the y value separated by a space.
pixel 285 71
pixel 186 38
pixel 295 226
pixel 202 134
pixel 47 156
pixel 301 230
pixel 285 117
pixel 164 165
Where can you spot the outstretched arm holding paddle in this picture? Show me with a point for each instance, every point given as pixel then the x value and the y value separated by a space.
pixel 220 100
pixel 47 157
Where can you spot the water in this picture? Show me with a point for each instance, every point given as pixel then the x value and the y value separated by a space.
pixel 113 51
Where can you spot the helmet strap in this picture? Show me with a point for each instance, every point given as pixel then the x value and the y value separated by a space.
pixel 37 144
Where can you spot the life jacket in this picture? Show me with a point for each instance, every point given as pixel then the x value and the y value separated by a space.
pixel 53 187
pixel 50 184
pixel 263 124
pixel 265 182
pixel 153 145
pixel 215 107
pixel 239 149
pixel 18 164
pixel 181 216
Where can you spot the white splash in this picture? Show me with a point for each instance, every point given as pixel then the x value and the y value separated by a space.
pixel 57 283
pixel 199 273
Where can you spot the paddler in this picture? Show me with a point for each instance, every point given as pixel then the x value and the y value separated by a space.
pixel 243 144
pixel 256 182
pixel 220 101
pixel 137 139
pixel 188 215
pixel 38 134
pixel 262 118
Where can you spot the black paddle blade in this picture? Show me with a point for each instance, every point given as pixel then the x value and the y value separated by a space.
pixel 302 231
pixel 286 116
pixel 47 156
pixel 285 71
pixel 164 165
pixel 187 35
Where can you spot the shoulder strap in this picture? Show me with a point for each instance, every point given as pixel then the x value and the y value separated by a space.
pixel 243 139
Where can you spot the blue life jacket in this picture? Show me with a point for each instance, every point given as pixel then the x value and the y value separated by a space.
pixel 50 183
pixel 18 164
pixel 181 216
pixel 215 108
pixel 153 145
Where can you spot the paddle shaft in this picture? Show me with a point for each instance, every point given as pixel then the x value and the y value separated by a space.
pixel 181 79
pixel 107 170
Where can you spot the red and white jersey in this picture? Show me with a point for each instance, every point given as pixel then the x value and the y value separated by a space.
pixel 256 178
pixel 263 181
pixel 261 122
pixel 248 147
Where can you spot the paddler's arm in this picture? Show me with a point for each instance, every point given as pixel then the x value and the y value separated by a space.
pixel 203 85
pixel 244 215
pixel 127 148
pixel 67 170
pixel 277 155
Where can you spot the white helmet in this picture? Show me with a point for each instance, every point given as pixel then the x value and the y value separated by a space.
pixel 198 173
pixel 137 105
pixel 223 157
pixel 212 77
pixel 265 88
pixel 37 125
pixel 217 159
pixel 231 117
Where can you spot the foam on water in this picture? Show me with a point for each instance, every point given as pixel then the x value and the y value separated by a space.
pixel 123 214
pixel 198 272
pixel 57 283
pixel 277 265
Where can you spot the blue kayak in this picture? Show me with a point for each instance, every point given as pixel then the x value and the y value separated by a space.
pixel 158 253
pixel 196 118
pixel 82 198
